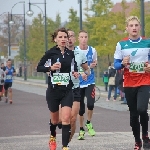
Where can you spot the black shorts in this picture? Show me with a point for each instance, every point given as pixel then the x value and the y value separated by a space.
pixel 57 96
pixel 89 93
pixel 1 88
pixel 76 94
pixel 7 85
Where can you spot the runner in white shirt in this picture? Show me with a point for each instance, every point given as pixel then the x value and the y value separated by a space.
pixel 87 88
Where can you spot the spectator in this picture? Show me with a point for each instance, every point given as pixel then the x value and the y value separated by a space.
pixel 111 82
pixel 120 85
pixel 105 79
pixel 20 71
pixel 3 67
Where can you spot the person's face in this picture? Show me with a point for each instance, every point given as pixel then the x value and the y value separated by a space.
pixel 2 65
pixel 133 28
pixel 72 39
pixel 61 39
pixel 8 63
pixel 83 38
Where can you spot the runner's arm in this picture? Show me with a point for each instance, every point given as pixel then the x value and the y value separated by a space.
pixel 118 57
pixel 14 72
pixel 75 63
pixel 41 67
pixel 84 65
pixel 95 56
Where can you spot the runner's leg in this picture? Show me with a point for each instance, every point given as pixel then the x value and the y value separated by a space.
pixel 66 104
pixel 131 96
pixel 75 110
pixel 81 114
pixel 6 86
pixel 10 92
pixel 142 106
pixel 90 94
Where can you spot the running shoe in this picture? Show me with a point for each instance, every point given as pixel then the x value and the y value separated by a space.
pixel 146 142
pixel 138 146
pixel 65 148
pixel 81 135
pixel 52 143
pixel 91 131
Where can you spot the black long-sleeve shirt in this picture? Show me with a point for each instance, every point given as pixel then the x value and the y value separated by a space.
pixel 66 59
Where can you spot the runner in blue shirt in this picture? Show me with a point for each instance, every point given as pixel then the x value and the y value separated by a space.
pixel 87 87
pixel 10 72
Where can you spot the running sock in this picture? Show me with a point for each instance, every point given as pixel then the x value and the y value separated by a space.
pixel 66 131
pixel 59 125
pixel 88 122
pixel 81 128
pixel 53 129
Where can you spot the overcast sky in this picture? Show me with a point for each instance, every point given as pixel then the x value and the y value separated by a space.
pixel 53 7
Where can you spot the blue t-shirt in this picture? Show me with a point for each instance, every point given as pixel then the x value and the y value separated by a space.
pixel 9 75
pixel 91 78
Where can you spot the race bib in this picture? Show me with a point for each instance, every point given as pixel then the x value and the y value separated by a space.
pixel 137 67
pixel 60 78
pixel 9 77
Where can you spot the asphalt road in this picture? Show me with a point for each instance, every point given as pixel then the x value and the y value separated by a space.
pixel 24 125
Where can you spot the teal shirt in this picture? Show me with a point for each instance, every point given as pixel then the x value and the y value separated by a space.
pixel 80 58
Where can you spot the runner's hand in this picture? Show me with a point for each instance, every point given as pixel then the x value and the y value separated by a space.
pixel 75 74
pixel 56 66
pixel 147 68
pixel 93 64
pixel 84 76
pixel 6 71
pixel 126 60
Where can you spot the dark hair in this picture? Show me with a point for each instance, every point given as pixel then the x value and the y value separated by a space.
pixel 83 31
pixel 54 35
pixel 9 60
pixel 2 63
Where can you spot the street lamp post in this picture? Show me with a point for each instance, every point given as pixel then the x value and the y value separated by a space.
pixel 30 13
pixel 24 24
pixel 9 44
pixel 142 18
pixel 80 6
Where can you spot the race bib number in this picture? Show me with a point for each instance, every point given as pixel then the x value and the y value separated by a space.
pixel 137 67
pixel 60 78
pixel 8 77
pixel 81 70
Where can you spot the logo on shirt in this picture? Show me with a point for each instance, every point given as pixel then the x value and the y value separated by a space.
pixel 89 58
pixel 134 52
pixel 126 45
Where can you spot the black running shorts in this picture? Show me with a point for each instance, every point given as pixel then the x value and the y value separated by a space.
pixel 7 85
pixel 60 95
pixel 1 88
pixel 76 94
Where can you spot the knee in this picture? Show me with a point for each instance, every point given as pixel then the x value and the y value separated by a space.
pixel 142 110
pixel 73 120
pixel 66 118
pixel 90 107
pixel 54 121
pixel 10 89
pixel 81 112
